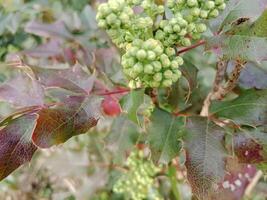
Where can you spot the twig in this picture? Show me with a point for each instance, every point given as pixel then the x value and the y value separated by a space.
pixel 231 83
pixel 200 43
pixel 253 183
pixel 221 69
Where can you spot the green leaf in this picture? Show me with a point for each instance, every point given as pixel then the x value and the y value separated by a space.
pixel 57 124
pixel 205 155
pixel 131 104
pixel 237 9
pixel 248 48
pixel 164 134
pixel 250 108
pixel 123 136
pixel 16 147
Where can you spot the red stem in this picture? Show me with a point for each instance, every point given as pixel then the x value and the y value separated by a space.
pixel 201 42
pixel 119 91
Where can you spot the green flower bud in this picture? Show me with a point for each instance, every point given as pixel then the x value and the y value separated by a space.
pixel 214 13
pixel 157 66
pixel 204 14
pixel 170 51
pixel 210 5
pixel 192 3
pixel 219 2
pixel 163 23
pixel 176 76
pixel 180 60
pixel 222 6
pixel 111 18
pixel 102 23
pixel 141 54
pixel 176 28
pixel 148 69
pixel 191 27
pixel 174 64
pixel 104 9
pixel 195 12
pixel 138 67
pixel 168 74
pixel 168 29
pixel 157 77
pixel 167 83
pixel 201 28
pixel 151 55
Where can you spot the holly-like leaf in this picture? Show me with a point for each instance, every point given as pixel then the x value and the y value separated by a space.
pixel 236 180
pixel 249 48
pixel 205 155
pixel 250 108
pixel 250 145
pixel 57 124
pixel 132 102
pixel 123 136
pixel 75 78
pixel 56 29
pixel 23 90
pixel 50 49
pixel 243 41
pixel 164 135
pixel 252 76
pixel 16 147
pixel 237 9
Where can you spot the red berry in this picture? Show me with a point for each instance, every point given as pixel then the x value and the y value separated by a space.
pixel 111 106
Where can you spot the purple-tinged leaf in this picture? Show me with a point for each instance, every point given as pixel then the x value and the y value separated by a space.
pixel 22 91
pixel 16 147
pixel 252 76
pixel 57 124
pixel 236 181
pixel 75 79
pixel 56 29
pixel 250 145
pixel 50 49
pixel 205 156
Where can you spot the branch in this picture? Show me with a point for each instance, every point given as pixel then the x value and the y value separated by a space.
pixel 221 69
pixel 200 43
pixel 231 83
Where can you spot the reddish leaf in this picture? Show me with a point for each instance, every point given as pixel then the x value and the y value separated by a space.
pixel 73 117
pixel 22 91
pixel 236 181
pixel 250 146
pixel 56 29
pixel 16 147
pixel 51 48
pixel 75 79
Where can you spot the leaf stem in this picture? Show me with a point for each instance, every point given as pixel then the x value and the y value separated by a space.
pixel 200 43
pixel 119 91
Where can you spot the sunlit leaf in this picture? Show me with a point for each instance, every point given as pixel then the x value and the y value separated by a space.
pixel 57 124
pixel 16 147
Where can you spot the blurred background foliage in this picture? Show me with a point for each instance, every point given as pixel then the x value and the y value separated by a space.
pixel 55 34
